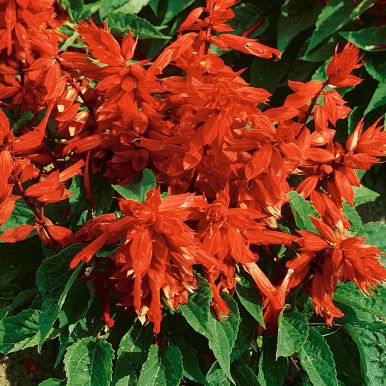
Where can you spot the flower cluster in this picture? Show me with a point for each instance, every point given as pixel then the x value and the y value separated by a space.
pixel 225 159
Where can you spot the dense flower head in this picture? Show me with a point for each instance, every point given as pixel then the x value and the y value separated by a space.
pixel 226 161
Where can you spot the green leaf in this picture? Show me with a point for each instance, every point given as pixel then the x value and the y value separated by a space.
pixel 243 374
pixel 107 7
pixel 21 299
pixel 121 23
pixel 250 298
pixel 302 209
pixel 171 360
pixel 21 215
pixel 295 16
pixel 353 217
pixel 378 99
pixel 364 195
pixel 137 190
pixel 192 369
pixel 216 376
pixel 367 39
pixel 375 234
pixel 272 371
pixel 19 331
pixel 74 8
pixel 54 279
pixel 346 357
pixel 222 334
pixel 78 202
pixel 53 382
pixel 371 342
pixel 375 64
pixel 334 15
pixel 131 355
pixel 292 333
pixel 102 192
pixel 317 360
pixel 174 8
pixel 152 371
pixel 89 362
pixel 350 295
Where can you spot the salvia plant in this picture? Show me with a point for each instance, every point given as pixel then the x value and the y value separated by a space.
pixel 178 197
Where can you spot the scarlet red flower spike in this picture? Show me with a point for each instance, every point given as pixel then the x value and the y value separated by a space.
pixel 226 161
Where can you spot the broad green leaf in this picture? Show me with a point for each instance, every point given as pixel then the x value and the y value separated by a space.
pixel 102 192
pixel 78 202
pixel 272 371
pixel 174 8
pixel 171 359
pixel 292 333
pixel 317 360
pixel 222 334
pixel 137 190
pixel 74 8
pixel 364 195
pixel 302 209
pixel 54 279
pixel 192 369
pixel 152 371
pixel 346 357
pixel 243 374
pixel 121 23
pixel 334 15
pixel 216 376
pixel 353 217
pixel 21 299
pixel 295 16
pixel 371 342
pixel 19 331
pixel 245 336
pixel 350 295
pixel 153 4
pixel 131 354
pixel 89 362
pixel 21 215
pixel 375 64
pixel 375 234
pixel 107 7
pixel 367 39
pixel 379 97
pixel 53 382
pixel 250 298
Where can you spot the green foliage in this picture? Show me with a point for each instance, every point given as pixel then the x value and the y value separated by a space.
pixel 19 331
pixel 250 299
pixel 317 360
pixel 137 190
pixel 21 215
pixel 221 334
pixel 302 210
pixel 89 362
pixel 130 355
pixel 54 280
pixel 292 334
pixel 364 195
pixel 162 367
pixel 371 342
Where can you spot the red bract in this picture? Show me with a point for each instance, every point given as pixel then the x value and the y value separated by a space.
pixel 328 258
pixel 156 252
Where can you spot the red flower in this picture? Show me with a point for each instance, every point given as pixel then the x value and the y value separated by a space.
pixel 328 258
pixel 156 252
pixel 339 70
